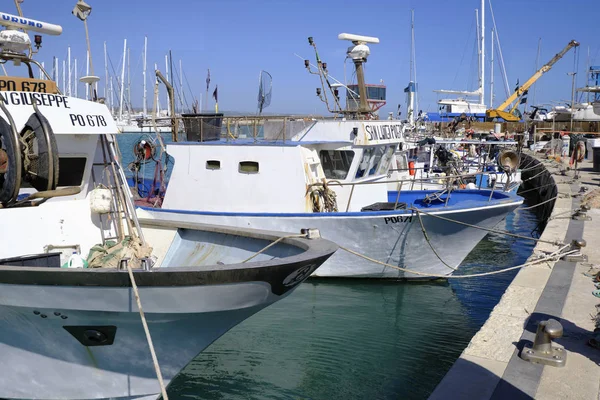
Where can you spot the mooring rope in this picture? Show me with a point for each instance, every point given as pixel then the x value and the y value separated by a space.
pixel 431 245
pixel 136 293
pixel 500 271
pixel 273 243
pixel 539 204
pixel 501 232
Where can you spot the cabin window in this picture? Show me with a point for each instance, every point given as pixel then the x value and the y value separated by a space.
pixel 213 164
pixel 363 167
pixel 386 159
pixel 375 159
pixel 71 170
pixel 248 167
pixel 336 163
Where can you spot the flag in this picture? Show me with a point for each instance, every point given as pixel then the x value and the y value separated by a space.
pixel 215 94
pixel 208 80
pixel 524 97
pixel 517 87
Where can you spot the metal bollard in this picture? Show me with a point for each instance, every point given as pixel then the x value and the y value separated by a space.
pixel 576 244
pixel 542 351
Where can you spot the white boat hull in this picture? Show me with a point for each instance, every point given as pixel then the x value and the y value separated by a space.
pixel 395 238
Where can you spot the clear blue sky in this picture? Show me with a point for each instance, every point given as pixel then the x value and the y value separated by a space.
pixel 237 38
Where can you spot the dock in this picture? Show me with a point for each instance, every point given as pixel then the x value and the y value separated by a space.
pixel 491 366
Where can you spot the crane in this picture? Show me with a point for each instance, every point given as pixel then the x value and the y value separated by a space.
pixel 510 116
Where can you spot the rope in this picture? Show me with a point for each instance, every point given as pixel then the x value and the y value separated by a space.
pixel 536 188
pixel 431 245
pixel 539 204
pixel 272 244
pixel 539 261
pixel 147 331
pixel 535 176
pixel 501 232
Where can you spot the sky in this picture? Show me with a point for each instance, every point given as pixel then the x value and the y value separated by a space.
pixel 237 39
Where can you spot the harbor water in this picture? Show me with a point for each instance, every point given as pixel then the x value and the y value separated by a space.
pixel 356 339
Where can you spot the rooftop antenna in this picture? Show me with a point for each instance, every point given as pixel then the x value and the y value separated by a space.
pixel 82 11
pixel 265 86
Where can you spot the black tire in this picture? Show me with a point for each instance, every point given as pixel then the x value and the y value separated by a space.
pixel 10 181
pixel 46 176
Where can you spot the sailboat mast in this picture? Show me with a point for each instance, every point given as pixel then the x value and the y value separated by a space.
pixel 128 83
pixel 492 74
pixel 69 72
pixel 122 80
pixel 414 60
pixel 180 87
pixel 482 84
pixel 145 109
pixel 106 92
pixel 75 80
pixel 64 81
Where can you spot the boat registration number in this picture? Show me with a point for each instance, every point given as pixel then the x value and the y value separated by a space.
pixel 27 85
pixel 398 219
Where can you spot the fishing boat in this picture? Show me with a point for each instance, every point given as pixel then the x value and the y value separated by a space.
pixel 330 174
pixel 435 163
pixel 97 303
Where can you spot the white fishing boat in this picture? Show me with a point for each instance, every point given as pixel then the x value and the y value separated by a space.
pixel 434 163
pixel 332 175
pixel 76 264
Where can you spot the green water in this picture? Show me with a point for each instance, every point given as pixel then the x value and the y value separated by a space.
pixel 356 339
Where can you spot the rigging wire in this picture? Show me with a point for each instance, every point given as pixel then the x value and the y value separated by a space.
pixel 463 56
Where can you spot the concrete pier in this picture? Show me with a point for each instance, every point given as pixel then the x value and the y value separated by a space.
pixel 490 367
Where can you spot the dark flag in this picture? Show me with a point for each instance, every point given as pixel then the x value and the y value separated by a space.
pixel 524 97
pixel 517 87
pixel 208 80
pixel 215 94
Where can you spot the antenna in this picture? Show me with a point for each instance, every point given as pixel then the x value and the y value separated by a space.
pixel 359 53
pixel 265 86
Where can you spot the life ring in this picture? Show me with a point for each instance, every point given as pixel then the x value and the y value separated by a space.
pixel 10 164
pixel 578 153
pixel 40 167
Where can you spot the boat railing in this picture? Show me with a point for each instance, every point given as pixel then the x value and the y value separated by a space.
pixel 447 188
pixel 215 126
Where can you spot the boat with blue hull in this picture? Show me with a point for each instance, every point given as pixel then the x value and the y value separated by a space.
pixel 330 174
pixel 97 303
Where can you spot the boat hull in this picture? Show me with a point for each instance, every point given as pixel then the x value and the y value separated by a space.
pixel 394 238
pixel 77 333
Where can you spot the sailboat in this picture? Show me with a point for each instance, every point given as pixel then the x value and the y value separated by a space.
pixel 457 107
pixel 98 303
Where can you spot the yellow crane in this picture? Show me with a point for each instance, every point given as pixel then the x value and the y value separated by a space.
pixel 510 116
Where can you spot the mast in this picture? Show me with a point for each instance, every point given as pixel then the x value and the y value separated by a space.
pixel 75 80
pixel 69 72
pixel 122 80
pixel 106 91
pixel 64 80
pixel 111 91
pixel 128 84
pixel 157 98
pixel 167 78
pixel 482 83
pixel 180 87
pixel 41 73
pixel 87 73
pixel 145 109
pixel 414 58
pixel 55 69
pixel 492 74
pixel 537 61
pixel 410 89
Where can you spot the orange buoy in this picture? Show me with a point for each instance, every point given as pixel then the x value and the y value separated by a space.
pixel 411 168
